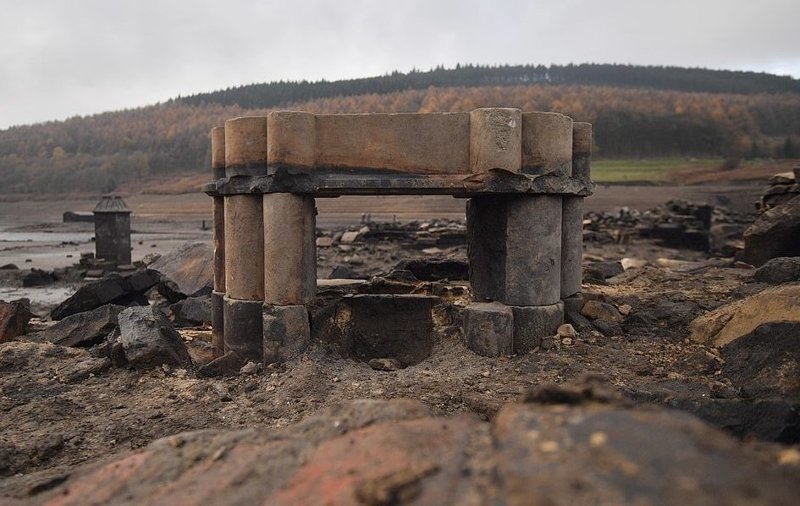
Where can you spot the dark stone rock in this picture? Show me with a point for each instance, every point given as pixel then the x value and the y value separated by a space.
pixel 435 269
pixel 606 269
pixel 149 340
pixel 14 318
pixel 191 311
pixel 286 332
pixel 344 272
pixel 608 328
pixel 185 271
pixel 38 277
pixel 769 420
pixel 489 328
pixel 775 233
pixel 779 270
pixel 84 329
pixel 766 362
pixel 580 322
pixel 9 267
pixel 113 289
pixel 401 275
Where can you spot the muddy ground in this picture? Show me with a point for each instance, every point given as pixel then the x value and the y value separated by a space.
pixel 60 409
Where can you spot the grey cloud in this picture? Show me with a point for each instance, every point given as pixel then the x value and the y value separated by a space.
pixel 60 58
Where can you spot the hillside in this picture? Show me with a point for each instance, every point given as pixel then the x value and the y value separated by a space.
pixel 637 112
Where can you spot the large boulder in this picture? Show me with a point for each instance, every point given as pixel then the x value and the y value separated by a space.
pixel 112 289
pixel 766 362
pixel 148 340
pixel 393 452
pixel 83 329
pixel 185 271
pixel 732 321
pixel 14 318
pixel 779 270
pixel 775 233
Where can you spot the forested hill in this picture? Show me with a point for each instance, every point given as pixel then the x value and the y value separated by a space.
pixel 660 78
pixel 637 112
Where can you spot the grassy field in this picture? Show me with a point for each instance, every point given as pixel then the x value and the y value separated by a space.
pixel 656 170
pixel 687 170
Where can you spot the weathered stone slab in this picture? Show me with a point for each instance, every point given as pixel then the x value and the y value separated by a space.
pixel 286 332
pixel 84 329
pixel 113 289
pixel 533 323
pixel 514 249
pixel 185 271
pixel 495 139
pixel 489 329
pixel 413 143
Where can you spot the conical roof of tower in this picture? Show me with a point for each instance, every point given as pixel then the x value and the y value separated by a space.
pixel 112 204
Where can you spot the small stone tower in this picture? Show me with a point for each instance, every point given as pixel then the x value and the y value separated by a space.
pixel 112 230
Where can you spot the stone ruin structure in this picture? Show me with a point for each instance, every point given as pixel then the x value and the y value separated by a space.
pixel 112 230
pixel 525 175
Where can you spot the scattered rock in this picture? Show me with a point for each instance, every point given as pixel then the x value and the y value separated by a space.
pixel 775 233
pixel 344 272
pixel 38 277
pixel 596 310
pixel 149 340
pixel 607 269
pixel 779 270
pixel 766 362
pixel 633 263
pixel 251 368
pixel 192 311
pixel 731 321
pixel 14 318
pixel 9 267
pixel 186 271
pixel 385 364
pixel 348 237
pixel 567 330
pixel 435 269
pixel 113 289
pixel 83 329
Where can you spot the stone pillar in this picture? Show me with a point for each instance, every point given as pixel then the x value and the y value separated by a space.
pixel 245 154
pixel 572 219
pixel 218 212
pixel 290 259
pixel 514 243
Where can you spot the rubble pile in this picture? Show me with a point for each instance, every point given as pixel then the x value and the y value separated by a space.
pixel 776 231
pixel 676 224
pixel 783 187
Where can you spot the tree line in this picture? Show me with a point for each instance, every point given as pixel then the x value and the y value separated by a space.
pixel 98 153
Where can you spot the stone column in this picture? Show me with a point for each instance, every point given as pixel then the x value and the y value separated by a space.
pixel 218 212
pixel 245 155
pixel 572 220
pixel 290 260
pixel 514 243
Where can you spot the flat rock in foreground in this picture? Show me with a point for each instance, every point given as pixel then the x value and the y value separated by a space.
pixel 395 452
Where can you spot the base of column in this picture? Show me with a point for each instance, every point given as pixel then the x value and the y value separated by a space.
pixel 217 323
pixel 243 328
pixel 533 323
pixel 286 332
pixel 573 304
pixel 494 329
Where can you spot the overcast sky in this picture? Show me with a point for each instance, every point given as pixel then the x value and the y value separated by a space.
pixel 60 58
